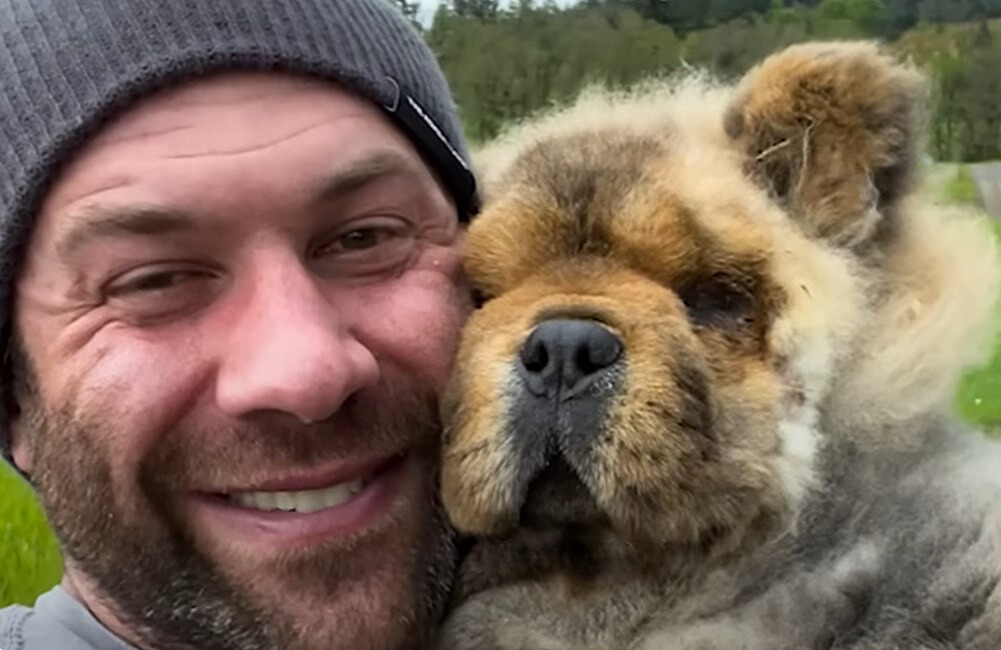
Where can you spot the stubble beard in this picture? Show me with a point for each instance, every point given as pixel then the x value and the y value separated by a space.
pixel 146 565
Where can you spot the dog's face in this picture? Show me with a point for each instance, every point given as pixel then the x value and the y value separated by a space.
pixel 665 300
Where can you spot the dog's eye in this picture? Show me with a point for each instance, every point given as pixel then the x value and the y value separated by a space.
pixel 718 301
pixel 479 298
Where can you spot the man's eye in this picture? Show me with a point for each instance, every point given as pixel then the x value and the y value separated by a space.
pixel 364 235
pixel 361 239
pixel 150 282
pixel 365 247
pixel 155 292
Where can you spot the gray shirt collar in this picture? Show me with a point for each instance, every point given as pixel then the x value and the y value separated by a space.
pixel 58 621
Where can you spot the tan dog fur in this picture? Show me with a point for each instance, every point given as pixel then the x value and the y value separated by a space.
pixel 773 463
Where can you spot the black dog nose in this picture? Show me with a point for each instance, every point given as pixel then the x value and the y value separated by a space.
pixel 566 353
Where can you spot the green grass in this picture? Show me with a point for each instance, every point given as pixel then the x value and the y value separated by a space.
pixel 979 398
pixel 29 557
pixel 959 187
pixel 948 183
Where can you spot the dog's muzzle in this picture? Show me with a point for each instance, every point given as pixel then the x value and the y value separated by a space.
pixel 568 370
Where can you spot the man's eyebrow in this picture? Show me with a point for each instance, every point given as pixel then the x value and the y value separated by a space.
pixel 100 222
pixel 357 174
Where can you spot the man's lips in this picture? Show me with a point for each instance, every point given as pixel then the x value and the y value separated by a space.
pixel 297 510
pixel 311 491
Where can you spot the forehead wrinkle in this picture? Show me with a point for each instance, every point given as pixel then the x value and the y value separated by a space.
pixel 217 90
pixel 253 148
pixel 113 137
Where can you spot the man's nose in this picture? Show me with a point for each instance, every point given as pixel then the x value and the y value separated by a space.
pixel 290 350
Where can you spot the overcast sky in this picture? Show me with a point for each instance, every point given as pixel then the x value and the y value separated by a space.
pixel 427 7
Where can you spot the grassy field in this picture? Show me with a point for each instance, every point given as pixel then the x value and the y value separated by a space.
pixel 29 558
pixel 979 398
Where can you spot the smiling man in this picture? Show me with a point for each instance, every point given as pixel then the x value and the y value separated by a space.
pixel 231 273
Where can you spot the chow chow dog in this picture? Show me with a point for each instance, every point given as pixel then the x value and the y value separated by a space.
pixel 706 398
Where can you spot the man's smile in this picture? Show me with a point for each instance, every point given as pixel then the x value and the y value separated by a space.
pixel 302 501
pixel 300 510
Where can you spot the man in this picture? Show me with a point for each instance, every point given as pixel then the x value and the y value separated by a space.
pixel 231 269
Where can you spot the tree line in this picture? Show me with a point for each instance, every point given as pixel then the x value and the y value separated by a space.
pixel 507 60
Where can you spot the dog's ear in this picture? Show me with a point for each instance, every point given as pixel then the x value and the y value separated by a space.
pixel 831 130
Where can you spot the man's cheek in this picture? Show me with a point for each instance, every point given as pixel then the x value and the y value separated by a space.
pixel 145 386
pixel 443 337
pixel 414 323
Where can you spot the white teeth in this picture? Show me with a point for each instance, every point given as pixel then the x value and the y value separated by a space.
pixel 305 501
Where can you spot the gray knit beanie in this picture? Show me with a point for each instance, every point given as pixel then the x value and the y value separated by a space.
pixel 67 66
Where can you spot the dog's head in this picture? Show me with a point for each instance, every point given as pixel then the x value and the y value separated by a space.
pixel 671 280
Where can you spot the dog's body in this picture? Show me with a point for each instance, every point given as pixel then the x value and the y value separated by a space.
pixel 706 401
pixel 894 556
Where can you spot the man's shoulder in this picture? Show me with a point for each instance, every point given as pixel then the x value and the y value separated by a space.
pixel 55 621
pixel 12 620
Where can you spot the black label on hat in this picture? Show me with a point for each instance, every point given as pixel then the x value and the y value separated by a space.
pixel 455 172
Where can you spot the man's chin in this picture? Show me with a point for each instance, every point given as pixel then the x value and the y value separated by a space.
pixel 370 573
pixel 375 606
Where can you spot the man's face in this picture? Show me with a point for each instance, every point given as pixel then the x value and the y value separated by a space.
pixel 240 305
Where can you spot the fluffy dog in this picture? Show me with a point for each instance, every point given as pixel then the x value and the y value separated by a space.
pixel 706 400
